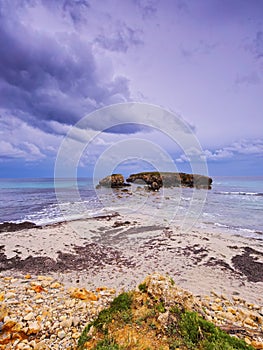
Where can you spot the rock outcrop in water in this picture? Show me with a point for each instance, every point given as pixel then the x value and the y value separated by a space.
pixel 156 180
pixel 113 181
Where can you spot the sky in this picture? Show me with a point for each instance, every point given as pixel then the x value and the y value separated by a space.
pixel 65 61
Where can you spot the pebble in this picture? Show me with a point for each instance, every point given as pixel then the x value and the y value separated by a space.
pixel 46 313
pixel 29 316
pixel 53 317
pixel 61 334
pixel 39 301
pixel 239 313
pixel 10 295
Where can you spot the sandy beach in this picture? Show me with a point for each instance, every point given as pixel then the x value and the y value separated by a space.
pixel 120 251
pixel 55 279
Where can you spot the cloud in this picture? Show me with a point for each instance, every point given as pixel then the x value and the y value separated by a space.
pixel 26 151
pixel 148 8
pixel 75 8
pixel 7 150
pixel 239 148
pixel 120 39
pixel 219 154
pixel 258 44
pixel 52 76
pixel 254 45
pixel 248 147
pixel 21 140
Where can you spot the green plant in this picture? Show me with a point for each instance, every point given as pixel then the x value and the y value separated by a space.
pixel 107 344
pixel 172 281
pixel 152 326
pixel 142 287
pixel 197 333
pixel 126 316
pixel 183 329
pixel 120 307
pixel 160 307
pixel 189 328
pixel 121 302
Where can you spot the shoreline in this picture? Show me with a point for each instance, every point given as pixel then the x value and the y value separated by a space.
pixel 56 279
pixel 120 250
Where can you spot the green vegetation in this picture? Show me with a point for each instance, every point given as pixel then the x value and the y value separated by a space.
pixel 172 281
pixel 160 307
pixel 119 308
pixel 197 333
pixel 133 321
pixel 142 287
pixel 107 344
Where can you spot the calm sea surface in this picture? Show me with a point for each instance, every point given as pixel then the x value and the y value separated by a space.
pixel 234 205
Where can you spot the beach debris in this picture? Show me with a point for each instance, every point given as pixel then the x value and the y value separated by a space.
pixel 121 223
pixel 12 227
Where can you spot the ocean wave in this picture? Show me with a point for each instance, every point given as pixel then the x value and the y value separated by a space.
pixel 246 231
pixel 238 193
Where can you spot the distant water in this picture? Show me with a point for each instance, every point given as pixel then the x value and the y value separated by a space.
pixel 234 205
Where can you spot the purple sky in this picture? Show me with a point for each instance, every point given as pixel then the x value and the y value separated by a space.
pixel 62 59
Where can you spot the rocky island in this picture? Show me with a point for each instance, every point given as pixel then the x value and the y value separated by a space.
pixel 113 181
pixel 155 180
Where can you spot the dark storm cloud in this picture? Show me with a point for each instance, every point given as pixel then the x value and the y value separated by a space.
pixel 46 76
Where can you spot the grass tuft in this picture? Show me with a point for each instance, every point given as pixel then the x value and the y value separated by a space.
pixel 142 287
pixel 133 322
pixel 119 308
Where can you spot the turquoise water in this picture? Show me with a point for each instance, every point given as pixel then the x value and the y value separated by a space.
pixel 234 204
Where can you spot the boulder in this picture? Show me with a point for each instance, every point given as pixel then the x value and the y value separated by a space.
pixel 113 181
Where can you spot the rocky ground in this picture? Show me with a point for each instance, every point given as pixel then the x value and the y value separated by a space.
pixel 56 279
pixel 38 312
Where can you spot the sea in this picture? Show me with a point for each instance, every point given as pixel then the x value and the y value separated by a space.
pixel 234 205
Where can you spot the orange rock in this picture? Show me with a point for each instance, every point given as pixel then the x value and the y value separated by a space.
pixel 3 312
pixel 27 277
pixel 8 326
pixel 257 344
pixel 5 340
pixel 45 313
pixel 38 288
pixel 83 294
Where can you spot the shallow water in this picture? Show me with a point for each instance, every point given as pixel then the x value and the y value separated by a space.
pixel 234 205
